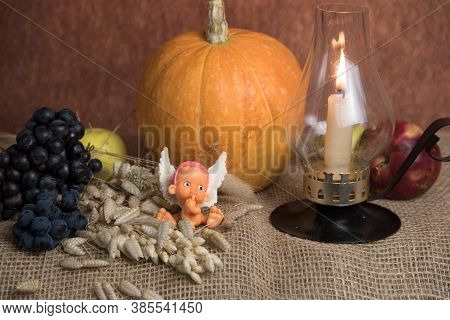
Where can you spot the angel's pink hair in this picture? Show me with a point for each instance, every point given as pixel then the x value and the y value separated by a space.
pixel 190 164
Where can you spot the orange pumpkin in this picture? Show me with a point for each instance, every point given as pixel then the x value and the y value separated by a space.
pixel 223 90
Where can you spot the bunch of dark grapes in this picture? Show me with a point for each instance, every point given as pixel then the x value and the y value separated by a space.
pixel 43 225
pixel 48 158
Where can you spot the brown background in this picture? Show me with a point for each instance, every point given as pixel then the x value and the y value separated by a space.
pixel 119 35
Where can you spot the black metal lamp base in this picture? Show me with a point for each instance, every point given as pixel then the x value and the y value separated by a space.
pixel 360 223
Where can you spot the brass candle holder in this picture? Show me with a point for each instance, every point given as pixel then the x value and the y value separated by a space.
pixel 336 189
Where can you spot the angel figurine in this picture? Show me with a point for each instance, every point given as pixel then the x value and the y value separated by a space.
pixel 192 187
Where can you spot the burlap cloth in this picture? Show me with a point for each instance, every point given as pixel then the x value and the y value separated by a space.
pixel 267 264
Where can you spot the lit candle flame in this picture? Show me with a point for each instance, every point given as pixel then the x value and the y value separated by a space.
pixel 340 43
pixel 341 79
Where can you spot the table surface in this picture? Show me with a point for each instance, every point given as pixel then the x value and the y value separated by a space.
pixel 266 264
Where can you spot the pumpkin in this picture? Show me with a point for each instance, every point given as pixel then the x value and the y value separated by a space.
pixel 222 90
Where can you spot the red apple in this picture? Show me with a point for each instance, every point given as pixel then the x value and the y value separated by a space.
pixel 420 176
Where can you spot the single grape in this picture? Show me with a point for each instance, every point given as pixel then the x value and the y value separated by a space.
pixel 44 115
pixel 71 220
pixel 43 208
pixel 10 189
pixel 25 140
pixel 69 200
pixel 47 182
pixel 27 240
pixel 76 220
pixel 42 134
pixel 95 165
pixel 78 128
pixel 76 150
pixel 55 213
pixel 66 114
pixel 31 124
pixel 40 226
pixel 64 171
pixel 77 168
pixel 59 128
pixel 55 145
pixel 30 195
pixel 13 151
pixel 59 229
pixel 4 159
pixel 81 222
pixel 13 174
pixel 71 137
pixel 38 156
pixel 20 162
pixel 54 162
pixel 30 179
pixel 25 218
pixel 85 156
pixel 43 242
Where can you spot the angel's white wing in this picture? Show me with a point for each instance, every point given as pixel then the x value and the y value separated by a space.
pixel 217 173
pixel 166 171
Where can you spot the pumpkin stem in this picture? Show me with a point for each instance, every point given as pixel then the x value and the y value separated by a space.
pixel 217 24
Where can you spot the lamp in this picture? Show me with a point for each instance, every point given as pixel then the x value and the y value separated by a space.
pixel 341 122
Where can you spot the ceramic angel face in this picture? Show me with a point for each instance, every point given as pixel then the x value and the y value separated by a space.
pixel 191 178
pixel 190 181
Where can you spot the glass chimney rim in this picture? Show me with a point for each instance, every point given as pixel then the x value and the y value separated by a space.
pixel 342 8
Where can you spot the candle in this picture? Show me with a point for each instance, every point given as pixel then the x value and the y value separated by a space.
pixel 338 137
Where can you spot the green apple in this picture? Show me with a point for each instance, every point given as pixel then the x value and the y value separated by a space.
pixel 358 130
pixel 104 141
